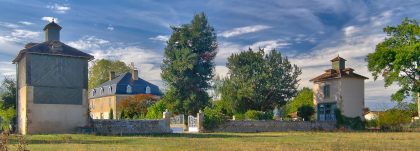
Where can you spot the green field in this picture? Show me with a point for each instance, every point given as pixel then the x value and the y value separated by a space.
pixel 227 141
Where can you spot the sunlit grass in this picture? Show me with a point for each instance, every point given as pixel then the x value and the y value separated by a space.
pixel 228 141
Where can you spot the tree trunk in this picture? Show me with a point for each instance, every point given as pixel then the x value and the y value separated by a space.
pixel 418 106
pixel 186 122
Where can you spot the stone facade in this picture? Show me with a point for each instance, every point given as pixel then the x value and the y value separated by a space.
pixel 52 80
pixel 274 126
pixel 131 127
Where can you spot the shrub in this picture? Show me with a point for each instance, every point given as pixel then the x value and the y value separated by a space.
pixel 394 119
pixel 111 114
pixel 156 110
pixel 7 118
pixel 239 116
pixel 355 123
pixel 135 107
pixel 305 112
pixel 212 118
pixel 258 115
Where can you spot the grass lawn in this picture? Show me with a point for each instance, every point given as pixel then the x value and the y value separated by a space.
pixel 227 141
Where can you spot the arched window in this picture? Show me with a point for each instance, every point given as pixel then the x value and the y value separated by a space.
pixel 102 90
pixel 129 89
pixel 148 90
pixel 93 92
pixel 110 89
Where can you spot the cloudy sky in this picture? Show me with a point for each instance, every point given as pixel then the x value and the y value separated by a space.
pixel 310 33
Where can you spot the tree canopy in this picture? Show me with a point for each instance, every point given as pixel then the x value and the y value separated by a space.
pixel 99 71
pixel 188 65
pixel 304 97
pixel 135 107
pixel 8 96
pixel 397 58
pixel 258 81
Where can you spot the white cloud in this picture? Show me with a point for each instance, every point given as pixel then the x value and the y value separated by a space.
pixel 110 28
pixel 25 34
pixel 50 19
pixel 243 30
pixel 9 25
pixel 269 45
pixel 145 60
pixel 18 36
pixel 163 38
pixel 350 30
pixel 88 43
pixel 26 23
pixel 59 8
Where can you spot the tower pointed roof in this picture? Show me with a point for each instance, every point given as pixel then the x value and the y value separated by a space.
pixel 338 58
pixel 52 25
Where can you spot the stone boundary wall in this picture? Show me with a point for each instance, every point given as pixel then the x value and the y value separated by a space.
pixel 130 127
pixel 274 126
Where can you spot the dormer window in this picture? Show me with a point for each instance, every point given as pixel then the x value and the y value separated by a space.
pixel 129 89
pixel 148 90
pixel 110 89
pixel 102 91
pixel 93 92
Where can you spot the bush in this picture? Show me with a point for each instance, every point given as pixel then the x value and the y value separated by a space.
pixel 135 107
pixel 156 110
pixel 394 119
pixel 212 118
pixel 258 115
pixel 7 118
pixel 239 116
pixel 111 114
pixel 348 122
pixel 305 112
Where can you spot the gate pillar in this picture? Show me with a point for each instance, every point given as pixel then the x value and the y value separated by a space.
pixel 200 121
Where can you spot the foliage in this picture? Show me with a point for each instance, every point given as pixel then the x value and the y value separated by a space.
pixel 212 118
pixel 111 114
pixel 135 107
pixel 258 115
pixel 304 97
pixel 348 122
pixel 156 110
pixel 394 119
pixel 99 71
pixel 188 65
pixel 374 123
pixel 305 112
pixel 397 58
pixel 8 96
pixel 7 117
pixel 259 81
pixel 239 116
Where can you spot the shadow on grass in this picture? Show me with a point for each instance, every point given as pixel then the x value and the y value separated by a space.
pixel 116 139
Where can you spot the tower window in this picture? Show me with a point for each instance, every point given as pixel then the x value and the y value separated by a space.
pixel 326 91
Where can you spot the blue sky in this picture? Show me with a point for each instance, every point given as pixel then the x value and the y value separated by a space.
pixel 310 33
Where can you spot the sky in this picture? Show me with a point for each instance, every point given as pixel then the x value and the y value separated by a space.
pixel 310 33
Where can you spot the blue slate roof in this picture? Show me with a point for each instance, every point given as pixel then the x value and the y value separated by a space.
pixel 119 85
pixel 52 48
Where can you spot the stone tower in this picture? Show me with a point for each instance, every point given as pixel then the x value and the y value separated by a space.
pixel 52 82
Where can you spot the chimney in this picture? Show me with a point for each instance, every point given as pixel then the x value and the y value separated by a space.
pixel 111 75
pixel 52 31
pixel 135 74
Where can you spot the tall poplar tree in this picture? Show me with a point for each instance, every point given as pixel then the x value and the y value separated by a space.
pixel 188 66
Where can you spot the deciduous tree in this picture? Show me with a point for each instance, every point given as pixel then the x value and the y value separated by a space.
pixel 99 71
pixel 397 59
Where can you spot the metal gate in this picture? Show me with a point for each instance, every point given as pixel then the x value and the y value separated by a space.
pixel 192 124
